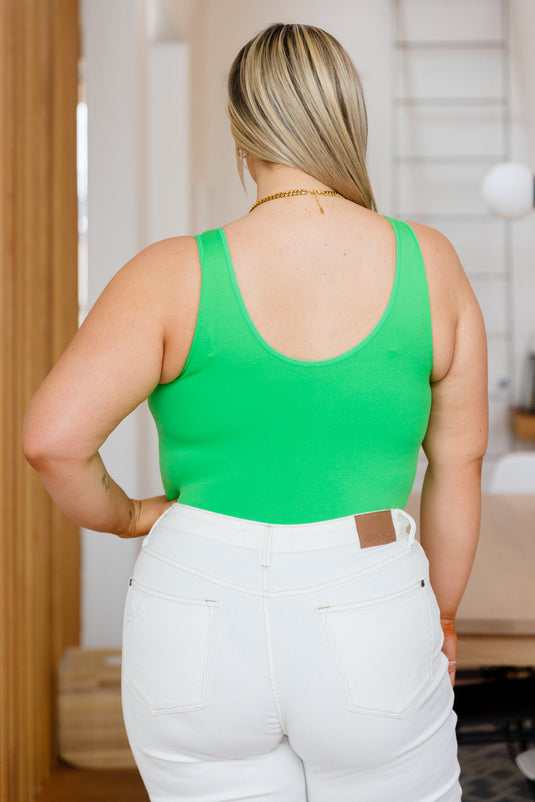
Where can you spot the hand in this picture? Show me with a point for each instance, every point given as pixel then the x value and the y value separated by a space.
pixel 450 646
pixel 144 512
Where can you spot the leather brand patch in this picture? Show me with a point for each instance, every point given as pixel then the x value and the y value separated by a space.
pixel 375 528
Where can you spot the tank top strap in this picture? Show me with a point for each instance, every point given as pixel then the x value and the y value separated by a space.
pixel 411 314
pixel 219 321
pixel 216 288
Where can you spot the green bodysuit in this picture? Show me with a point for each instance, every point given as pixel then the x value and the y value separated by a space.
pixel 249 432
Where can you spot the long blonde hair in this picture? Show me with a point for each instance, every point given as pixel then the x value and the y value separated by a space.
pixel 295 98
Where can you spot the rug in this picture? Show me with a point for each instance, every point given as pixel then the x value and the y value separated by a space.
pixel 489 773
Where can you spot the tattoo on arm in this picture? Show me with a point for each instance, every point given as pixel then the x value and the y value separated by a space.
pixel 105 482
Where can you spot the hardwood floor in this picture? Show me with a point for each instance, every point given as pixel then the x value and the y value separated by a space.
pixel 104 785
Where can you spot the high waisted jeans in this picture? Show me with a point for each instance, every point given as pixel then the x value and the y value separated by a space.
pixel 286 663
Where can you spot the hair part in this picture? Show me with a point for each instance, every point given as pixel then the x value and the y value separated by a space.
pixel 295 98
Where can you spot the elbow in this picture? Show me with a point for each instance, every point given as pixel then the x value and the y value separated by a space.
pixel 50 449
pixel 466 470
pixel 40 445
pixel 454 452
pixel 477 465
pixel 34 449
pixel 33 438
pixel 49 438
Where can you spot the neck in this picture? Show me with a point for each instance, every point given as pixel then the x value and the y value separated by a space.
pixel 272 178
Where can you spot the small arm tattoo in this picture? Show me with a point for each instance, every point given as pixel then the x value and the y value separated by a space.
pixel 105 482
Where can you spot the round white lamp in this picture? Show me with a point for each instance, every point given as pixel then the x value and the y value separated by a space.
pixel 508 189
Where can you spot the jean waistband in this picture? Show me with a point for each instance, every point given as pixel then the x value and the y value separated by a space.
pixel 367 529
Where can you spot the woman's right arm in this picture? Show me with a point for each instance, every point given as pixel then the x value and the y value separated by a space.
pixel 113 363
pixel 456 438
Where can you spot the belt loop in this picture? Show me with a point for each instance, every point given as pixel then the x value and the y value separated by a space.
pixel 266 554
pixel 412 526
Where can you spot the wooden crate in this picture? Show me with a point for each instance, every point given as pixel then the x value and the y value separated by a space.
pixel 91 731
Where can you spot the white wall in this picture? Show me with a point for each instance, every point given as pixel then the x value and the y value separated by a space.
pixel 116 215
pixel 137 83
pixel 364 30
pixel 523 150
pixel 123 43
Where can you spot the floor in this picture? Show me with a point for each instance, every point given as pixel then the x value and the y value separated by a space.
pixel 487 773
pixel 488 770
pixel 82 785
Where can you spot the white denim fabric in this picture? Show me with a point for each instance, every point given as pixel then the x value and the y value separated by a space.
pixel 286 663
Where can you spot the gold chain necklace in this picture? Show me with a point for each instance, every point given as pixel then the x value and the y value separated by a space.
pixel 290 192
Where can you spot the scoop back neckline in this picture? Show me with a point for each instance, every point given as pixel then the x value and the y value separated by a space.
pixel 308 362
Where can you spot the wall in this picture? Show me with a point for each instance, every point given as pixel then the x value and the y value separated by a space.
pixel 522 25
pixel 114 49
pixel 116 33
pixel 139 190
pixel 364 30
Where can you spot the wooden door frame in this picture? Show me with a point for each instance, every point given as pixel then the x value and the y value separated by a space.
pixel 39 546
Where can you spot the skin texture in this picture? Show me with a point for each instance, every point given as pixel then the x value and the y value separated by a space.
pixel 315 285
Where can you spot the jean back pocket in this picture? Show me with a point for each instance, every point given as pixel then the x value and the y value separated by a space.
pixel 384 649
pixel 166 646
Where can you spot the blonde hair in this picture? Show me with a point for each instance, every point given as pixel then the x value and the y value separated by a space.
pixel 295 98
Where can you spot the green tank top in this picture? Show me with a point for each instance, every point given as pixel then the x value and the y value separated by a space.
pixel 249 432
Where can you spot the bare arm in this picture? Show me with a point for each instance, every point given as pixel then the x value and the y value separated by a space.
pixel 456 439
pixel 111 366
pixel 455 444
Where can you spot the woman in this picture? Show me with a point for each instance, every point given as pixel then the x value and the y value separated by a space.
pixel 285 635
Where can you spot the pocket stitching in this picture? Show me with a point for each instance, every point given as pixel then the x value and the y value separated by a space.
pixel 211 604
pixel 322 610
pixel 375 600
pixel 171 596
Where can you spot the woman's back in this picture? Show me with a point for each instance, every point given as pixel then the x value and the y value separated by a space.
pixel 305 394
pixel 314 285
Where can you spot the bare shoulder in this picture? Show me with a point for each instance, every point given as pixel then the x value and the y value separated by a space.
pixel 439 254
pixel 445 273
pixel 450 294
pixel 156 293
pixel 173 256
pixel 159 278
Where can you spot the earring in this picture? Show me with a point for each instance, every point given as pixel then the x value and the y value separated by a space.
pixel 242 153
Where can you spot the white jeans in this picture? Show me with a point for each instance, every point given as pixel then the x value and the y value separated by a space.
pixel 286 663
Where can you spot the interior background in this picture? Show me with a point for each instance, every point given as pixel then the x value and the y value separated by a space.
pixel 161 163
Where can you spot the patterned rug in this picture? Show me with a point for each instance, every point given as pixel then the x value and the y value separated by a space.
pixel 488 772
pixel 487 700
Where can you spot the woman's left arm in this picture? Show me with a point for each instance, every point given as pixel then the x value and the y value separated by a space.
pixel 110 367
